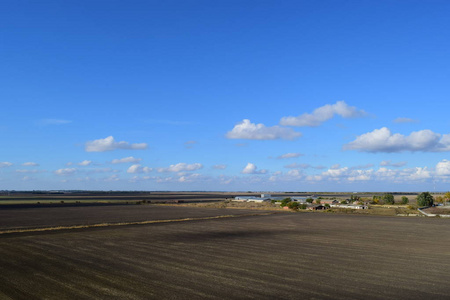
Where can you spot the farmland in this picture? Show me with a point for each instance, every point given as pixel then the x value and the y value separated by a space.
pixel 272 255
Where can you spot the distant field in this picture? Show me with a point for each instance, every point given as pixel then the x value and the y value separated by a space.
pixel 275 256
pixel 162 197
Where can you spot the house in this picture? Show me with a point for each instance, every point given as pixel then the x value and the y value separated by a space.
pixel 327 201
pixel 316 207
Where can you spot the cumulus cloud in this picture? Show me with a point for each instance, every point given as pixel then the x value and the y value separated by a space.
pixel 383 140
pixel 181 167
pixel 85 163
pixel 289 155
pixel 219 167
pixel 252 169
pixel 322 114
pixel 388 163
pixel 129 159
pixel 5 164
pixel 419 173
pixel 252 131
pixel 138 169
pixel 443 168
pixel 66 171
pixel 405 120
pixel 109 144
pixel 30 164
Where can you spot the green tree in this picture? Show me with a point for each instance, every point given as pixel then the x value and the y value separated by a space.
pixel 405 200
pixel 293 205
pixel 317 201
pixel 285 202
pixel 388 198
pixel 425 199
pixel 310 200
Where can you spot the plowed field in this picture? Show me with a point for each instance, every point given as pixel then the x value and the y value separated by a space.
pixel 275 256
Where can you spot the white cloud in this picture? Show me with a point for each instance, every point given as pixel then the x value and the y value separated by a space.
pixel 30 164
pixel 388 163
pixel 252 169
pixel 180 167
pixel 443 168
pixel 289 155
pixel 53 122
pixel 189 177
pixel 114 177
pixel 418 173
pixel 109 144
pixel 382 140
pixel 66 171
pixel 5 164
pixel 30 171
pixel 252 131
pixel 129 159
pixel 322 114
pixel 84 163
pixel 219 167
pixel 405 120
pixel 360 175
pixel 138 169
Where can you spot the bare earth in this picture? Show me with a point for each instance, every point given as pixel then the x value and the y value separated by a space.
pixel 275 256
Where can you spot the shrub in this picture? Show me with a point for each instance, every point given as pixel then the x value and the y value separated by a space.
pixel 293 205
pixel 317 201
pixel 405 200
pixel 425 199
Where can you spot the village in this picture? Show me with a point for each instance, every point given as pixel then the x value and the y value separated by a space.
pixel 311 202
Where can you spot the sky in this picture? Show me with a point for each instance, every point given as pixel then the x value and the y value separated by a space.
pixel 228 95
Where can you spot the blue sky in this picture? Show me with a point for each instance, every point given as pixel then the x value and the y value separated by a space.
pixel 225 95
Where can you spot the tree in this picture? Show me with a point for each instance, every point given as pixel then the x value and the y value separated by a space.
pixel 440 199
pixel 388 198
pixel 425 199
pixel 285 202
pixel 293 205
pixel 310 200
pixel 405 200
pixel 317 201
pixel 447 197
pixel 375 199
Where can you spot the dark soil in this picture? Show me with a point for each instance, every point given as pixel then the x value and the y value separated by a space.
pixel 278 256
